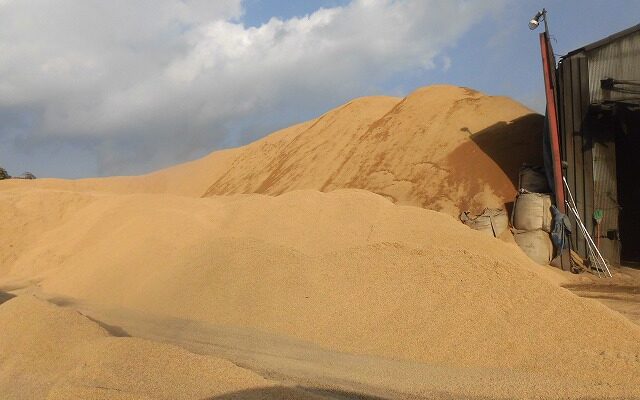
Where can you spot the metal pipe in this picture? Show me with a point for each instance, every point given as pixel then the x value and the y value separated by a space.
pixel 600 265
pixel 585 232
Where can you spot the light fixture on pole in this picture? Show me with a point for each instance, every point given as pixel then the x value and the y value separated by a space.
pixel 535 21
pixel 549 73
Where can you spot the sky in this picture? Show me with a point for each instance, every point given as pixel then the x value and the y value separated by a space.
pixel 122 87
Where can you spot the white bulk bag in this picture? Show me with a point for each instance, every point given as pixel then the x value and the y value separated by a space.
pixel 492 221
pixel 533 179
pixel 532 211
pixel 535 244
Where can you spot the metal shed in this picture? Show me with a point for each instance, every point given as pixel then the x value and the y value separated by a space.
pixel 598 100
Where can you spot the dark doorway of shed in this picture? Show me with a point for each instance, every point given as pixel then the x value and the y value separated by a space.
pixel 628 177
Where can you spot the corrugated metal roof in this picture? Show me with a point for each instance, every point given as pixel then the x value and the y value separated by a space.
pixel 619 61
pixel 606 40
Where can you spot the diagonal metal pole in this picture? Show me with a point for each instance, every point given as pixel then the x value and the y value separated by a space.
pixel 585 232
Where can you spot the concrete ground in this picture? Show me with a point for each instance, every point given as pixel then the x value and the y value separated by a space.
pixel 620 293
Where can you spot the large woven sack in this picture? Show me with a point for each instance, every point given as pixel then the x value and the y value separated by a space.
pixel 533 179
pixel 492 221
pixel 532 211
pixel 535 244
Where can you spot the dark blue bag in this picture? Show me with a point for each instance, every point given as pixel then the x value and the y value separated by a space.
pixel 561 229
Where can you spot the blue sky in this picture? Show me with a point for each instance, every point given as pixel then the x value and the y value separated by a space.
pixel 91 88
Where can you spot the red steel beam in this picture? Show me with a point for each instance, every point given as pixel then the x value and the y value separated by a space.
pixel 552 114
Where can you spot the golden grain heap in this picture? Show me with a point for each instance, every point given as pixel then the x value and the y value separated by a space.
pixel 338 233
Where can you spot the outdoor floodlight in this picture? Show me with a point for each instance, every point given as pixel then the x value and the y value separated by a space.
pixel 535 21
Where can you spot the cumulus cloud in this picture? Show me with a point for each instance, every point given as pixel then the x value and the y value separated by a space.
pixel 152 82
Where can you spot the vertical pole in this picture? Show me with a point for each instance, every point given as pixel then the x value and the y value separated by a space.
pixel 552 114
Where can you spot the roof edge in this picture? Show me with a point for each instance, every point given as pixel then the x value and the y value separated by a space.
pixel 605 40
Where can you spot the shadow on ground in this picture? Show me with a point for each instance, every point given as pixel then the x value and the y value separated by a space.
pixel 494 156
pixel 510 144
pixel 4 296
pixel 293 393
pixel 309 393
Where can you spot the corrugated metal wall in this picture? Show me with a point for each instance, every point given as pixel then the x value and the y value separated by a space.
pixel 589 128
pixel 619 59
pixel 605 189
pixel 588 143
pixel 573 103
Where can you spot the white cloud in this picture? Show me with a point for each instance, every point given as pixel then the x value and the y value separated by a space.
pixel 446 63
pixel 175 75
